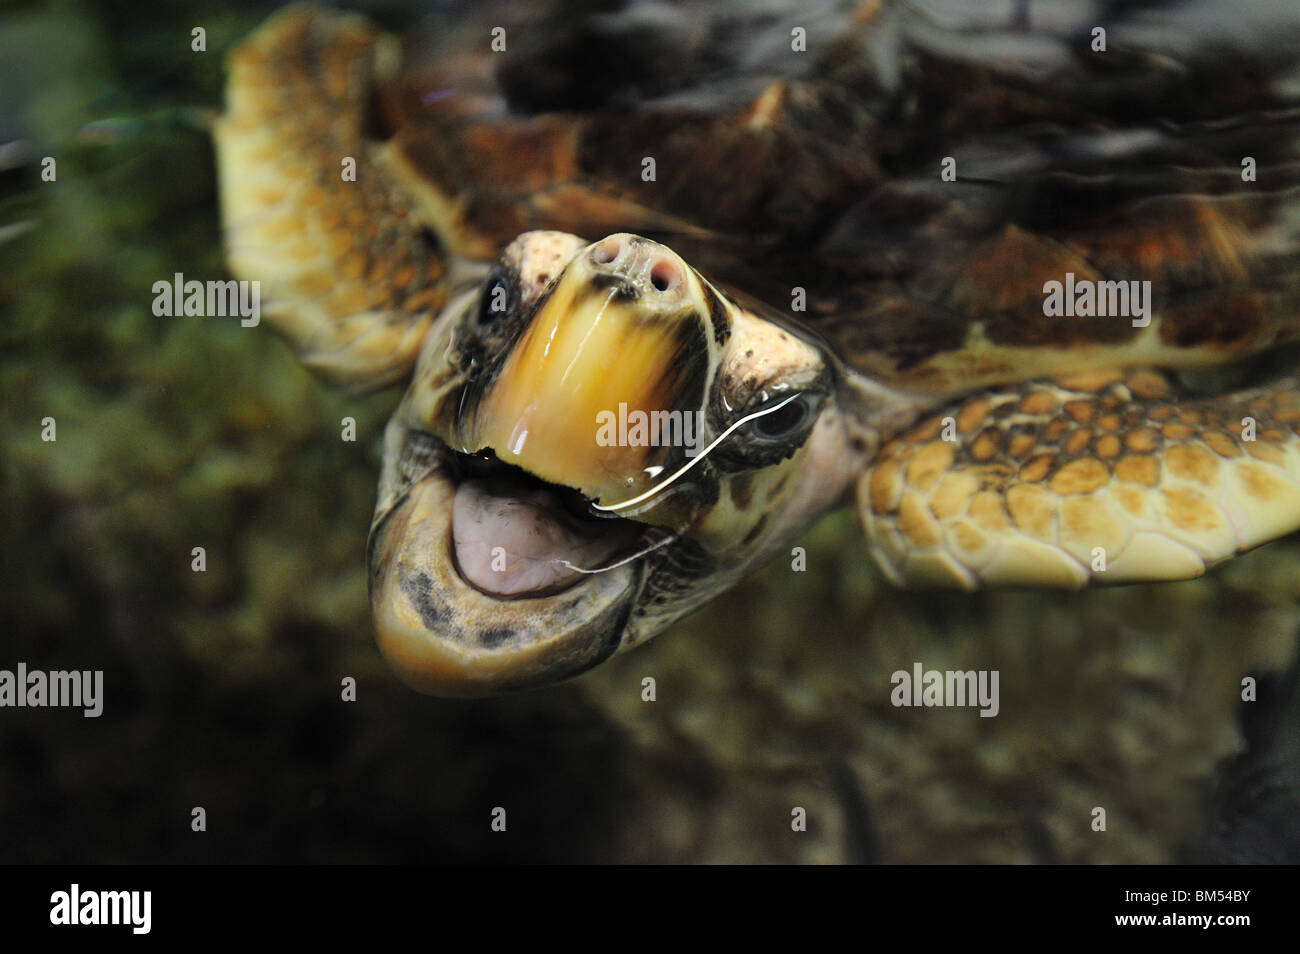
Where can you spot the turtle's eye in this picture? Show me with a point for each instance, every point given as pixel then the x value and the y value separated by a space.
pixel 495 300
pixel 784 416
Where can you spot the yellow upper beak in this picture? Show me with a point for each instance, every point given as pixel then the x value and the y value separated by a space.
pixel 601 347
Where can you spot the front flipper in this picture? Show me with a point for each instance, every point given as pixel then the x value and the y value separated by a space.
pixel 1102 477
pixel 315 206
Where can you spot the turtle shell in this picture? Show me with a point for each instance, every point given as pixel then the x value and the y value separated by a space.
pixel 904 180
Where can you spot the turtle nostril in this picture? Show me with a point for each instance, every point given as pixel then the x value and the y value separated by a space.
pixel 607 251
pixel 664 276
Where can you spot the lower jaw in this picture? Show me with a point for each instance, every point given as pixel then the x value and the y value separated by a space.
pixel 444 636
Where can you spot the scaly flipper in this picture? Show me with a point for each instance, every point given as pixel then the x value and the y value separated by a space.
pixel 350 273
pixel 1101 477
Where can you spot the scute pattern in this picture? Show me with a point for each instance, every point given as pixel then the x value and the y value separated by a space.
pixel 1097 477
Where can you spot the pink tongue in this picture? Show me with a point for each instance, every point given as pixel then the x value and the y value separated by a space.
pixel 512 544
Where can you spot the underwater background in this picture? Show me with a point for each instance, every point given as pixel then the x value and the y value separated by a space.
pixel 223 688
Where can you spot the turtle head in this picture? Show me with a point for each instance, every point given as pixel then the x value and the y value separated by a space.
pixel 595 442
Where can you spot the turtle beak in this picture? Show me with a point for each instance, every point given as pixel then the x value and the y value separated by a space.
pixel 622 336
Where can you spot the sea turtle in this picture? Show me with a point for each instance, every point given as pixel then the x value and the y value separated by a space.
pixel 670 282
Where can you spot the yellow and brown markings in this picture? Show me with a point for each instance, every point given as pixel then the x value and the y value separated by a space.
pixel 1093 471
pixel 350 272
pixel 1221 288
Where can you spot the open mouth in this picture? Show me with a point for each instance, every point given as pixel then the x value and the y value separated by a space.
pixel 485 578
pixel 517 536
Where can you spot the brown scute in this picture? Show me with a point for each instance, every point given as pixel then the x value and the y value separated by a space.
pixel 915 523
pixel 1192 463
pixel 1081 476
pixel 1142 440
pixel 988 512
pixel 1036 469
pixel 1108 446
pixel 1054 430
pixel 1038 403
pixel 1021 444
pixel 972 415
pixel 954 491
pixel 1144 470
pixel 1086 518
pixel 1130 498
pixel 928 463
pixel 1147 385
pixel 1033 259
pixel 967 537
pixel 925 431
pixel 884 486
pixel 986 445
pixel 1189 509
pixel 1078 441
pixel 1221 443
pixel 1261 450
pixel 1260 484
pixel 1079 411
pixel 1031 508
pixel 1088 381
